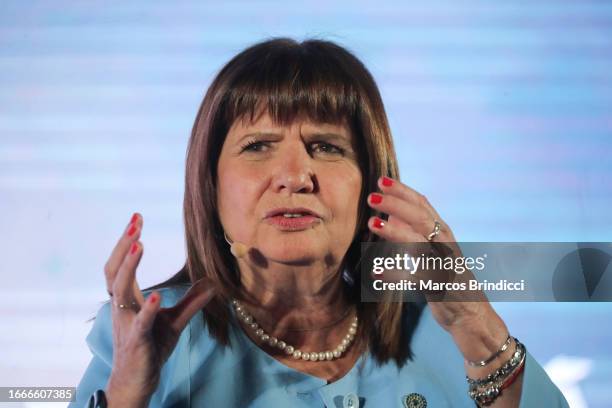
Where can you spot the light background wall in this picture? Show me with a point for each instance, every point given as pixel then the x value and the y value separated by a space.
pixel 501 113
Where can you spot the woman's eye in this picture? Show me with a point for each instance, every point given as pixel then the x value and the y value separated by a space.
pixel 328 148
pixel 253 146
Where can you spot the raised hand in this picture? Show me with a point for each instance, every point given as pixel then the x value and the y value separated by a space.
pixel 144 334
pixel 412 220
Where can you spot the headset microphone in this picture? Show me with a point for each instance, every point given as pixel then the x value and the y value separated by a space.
pixel 238 249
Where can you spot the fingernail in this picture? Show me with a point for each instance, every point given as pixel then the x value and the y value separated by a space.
pixel 375 198
pixel 153 298
pixel 134 218
pixel 387 182
pixel 132 230
pixel 134 248
pixel 378 223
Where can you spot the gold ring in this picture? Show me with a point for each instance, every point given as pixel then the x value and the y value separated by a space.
pixel 124 306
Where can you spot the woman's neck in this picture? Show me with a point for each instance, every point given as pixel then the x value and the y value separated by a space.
pixel 305 306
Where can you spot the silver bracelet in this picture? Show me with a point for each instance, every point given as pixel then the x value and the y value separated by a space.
pixel 486 390
pixel 483 363
pixel 489 394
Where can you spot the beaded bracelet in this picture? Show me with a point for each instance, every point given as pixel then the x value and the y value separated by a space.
pixel 490 393
pixel 502 371
pixel 486 390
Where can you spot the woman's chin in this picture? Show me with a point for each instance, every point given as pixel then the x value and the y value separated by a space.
pixel 289 252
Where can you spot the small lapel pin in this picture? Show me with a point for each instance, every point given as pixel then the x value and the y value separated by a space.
pixel 414 400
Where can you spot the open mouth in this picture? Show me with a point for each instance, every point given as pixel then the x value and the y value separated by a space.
pixel 293 221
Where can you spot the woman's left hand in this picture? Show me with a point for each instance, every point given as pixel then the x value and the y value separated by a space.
pixel 412 219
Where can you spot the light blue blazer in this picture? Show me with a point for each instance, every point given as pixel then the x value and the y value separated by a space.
pixel 201 373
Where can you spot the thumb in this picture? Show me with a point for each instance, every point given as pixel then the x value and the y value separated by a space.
pixel 198 296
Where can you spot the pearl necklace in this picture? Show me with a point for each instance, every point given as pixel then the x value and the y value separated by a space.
pixel 290 350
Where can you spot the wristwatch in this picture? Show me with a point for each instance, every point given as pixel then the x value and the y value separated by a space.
pixel 97 400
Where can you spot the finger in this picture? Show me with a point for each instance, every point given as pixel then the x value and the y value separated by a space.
pixel 434 213
pixel 416 216
pixel 401 190
pixel 198 295
pixel 137 293
pixel 130 234
pixel 406 240
pixel 124 284
pixel 396 188
pixel 146 317
pixel 394 230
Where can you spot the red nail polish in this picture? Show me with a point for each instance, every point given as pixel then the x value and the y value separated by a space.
pixel 153 298
pixel 134 248
pixel 132 230
pixel 378 223
pixel 134 218
pixel 375 198
pixel 387 182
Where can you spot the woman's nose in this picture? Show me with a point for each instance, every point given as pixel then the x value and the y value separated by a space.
pixel 294 172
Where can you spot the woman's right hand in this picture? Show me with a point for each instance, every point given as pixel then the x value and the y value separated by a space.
pixel 144 334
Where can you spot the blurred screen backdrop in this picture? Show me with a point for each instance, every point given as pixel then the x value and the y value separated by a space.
pixel 501 114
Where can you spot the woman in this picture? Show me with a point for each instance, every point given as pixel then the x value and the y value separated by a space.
pixel 289 161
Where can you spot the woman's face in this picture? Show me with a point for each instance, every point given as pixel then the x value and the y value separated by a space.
pixel 290 192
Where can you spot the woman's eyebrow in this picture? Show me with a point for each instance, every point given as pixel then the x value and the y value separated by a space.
pixel 340 139
pixel 328 136
pixel 260 134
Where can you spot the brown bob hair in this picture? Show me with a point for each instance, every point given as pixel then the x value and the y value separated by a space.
pixel 287 78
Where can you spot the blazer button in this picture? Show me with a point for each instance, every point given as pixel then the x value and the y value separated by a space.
pixel 350 401
pixel 414 400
